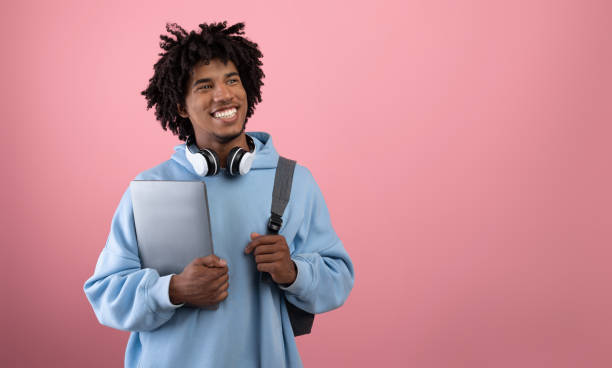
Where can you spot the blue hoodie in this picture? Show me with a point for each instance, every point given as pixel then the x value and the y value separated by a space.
pixel 251 326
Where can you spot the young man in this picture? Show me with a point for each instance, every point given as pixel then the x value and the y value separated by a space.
pixel 205 86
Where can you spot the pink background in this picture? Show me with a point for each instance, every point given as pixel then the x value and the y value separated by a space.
pixel 463 149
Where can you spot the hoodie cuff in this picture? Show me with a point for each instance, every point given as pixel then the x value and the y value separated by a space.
pixel 159 294
pixel 302 280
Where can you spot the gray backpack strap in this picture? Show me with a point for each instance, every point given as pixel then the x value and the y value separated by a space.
pixel 281 193
pixel 301 321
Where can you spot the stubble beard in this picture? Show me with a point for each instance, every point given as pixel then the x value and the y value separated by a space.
pixel 230 137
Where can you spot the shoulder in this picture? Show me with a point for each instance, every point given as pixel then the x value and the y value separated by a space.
pixel 167 170
pixel 304 181
pixel 302 172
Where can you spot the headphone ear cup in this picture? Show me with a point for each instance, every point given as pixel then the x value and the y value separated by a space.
pixel 233 160
pixel 212 159
pixel 246 162
pixel 198 162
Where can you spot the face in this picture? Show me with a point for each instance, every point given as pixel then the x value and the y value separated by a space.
pixel 216 102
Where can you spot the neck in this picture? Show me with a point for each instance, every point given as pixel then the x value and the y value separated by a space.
pixel 221 146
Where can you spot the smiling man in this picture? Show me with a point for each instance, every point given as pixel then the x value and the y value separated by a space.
pixel 204 88
pixel 216 105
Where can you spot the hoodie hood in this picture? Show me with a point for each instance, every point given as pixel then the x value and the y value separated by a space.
pixel 266 156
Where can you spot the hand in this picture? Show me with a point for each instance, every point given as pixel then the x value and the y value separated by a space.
pixel 272 256
pixel 203 282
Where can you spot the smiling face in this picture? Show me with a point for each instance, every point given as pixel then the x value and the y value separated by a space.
pixel 215 102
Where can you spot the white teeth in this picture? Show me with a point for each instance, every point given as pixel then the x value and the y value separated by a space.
pixel 226 113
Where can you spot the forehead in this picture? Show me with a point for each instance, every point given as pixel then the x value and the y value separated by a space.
pixel 215 68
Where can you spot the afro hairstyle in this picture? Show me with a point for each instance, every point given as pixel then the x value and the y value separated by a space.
pixel 167 87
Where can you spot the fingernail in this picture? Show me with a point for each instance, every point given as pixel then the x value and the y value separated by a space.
pixel 222 262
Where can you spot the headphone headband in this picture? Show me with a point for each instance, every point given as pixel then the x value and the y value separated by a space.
pixel 191 145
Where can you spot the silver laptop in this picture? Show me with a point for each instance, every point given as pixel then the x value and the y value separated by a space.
pixel 172 223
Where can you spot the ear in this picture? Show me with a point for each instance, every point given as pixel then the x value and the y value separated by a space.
pixel 181 111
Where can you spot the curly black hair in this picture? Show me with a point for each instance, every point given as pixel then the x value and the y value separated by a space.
pixel 167 87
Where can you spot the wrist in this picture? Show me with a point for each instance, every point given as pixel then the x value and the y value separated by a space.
pixel 294 275
pixel 173 291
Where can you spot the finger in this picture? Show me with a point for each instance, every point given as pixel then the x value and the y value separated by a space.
pixel 222 296
pixel 211 261
pixel 255 235
pixel 215 283
pixel 211 273
pixel 217 272
pixel 267 258
pixel 268 249
pixel 206 260
pixel 267 267
pixel 267 239
pixel 223 287
pixel 264 239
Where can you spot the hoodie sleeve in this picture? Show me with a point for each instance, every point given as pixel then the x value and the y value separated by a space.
pixel 123 295
pixel 325 271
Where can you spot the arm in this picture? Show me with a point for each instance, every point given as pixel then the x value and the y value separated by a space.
pixel 123 295
pixel 325 272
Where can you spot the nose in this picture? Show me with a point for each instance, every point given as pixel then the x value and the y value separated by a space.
pixel 221 92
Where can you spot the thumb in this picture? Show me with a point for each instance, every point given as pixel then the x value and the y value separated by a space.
pixel 212 261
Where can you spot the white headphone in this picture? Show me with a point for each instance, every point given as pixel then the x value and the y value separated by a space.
pixel 206 162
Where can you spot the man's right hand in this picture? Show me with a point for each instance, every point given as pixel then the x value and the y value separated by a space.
pixel 203 282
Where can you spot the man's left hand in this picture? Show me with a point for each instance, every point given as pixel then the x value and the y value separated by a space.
pixel 272 255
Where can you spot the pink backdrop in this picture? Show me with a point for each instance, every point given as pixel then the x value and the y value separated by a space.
pixel 473 137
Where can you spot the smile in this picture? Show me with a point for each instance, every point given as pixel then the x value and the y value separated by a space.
pixel 229 113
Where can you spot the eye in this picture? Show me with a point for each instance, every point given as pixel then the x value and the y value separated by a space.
pixel 233 81
pixel 205 86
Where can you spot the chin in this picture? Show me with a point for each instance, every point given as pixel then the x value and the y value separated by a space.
pixel 226 137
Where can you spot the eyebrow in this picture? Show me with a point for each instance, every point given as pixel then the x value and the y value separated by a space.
pixel 208 80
